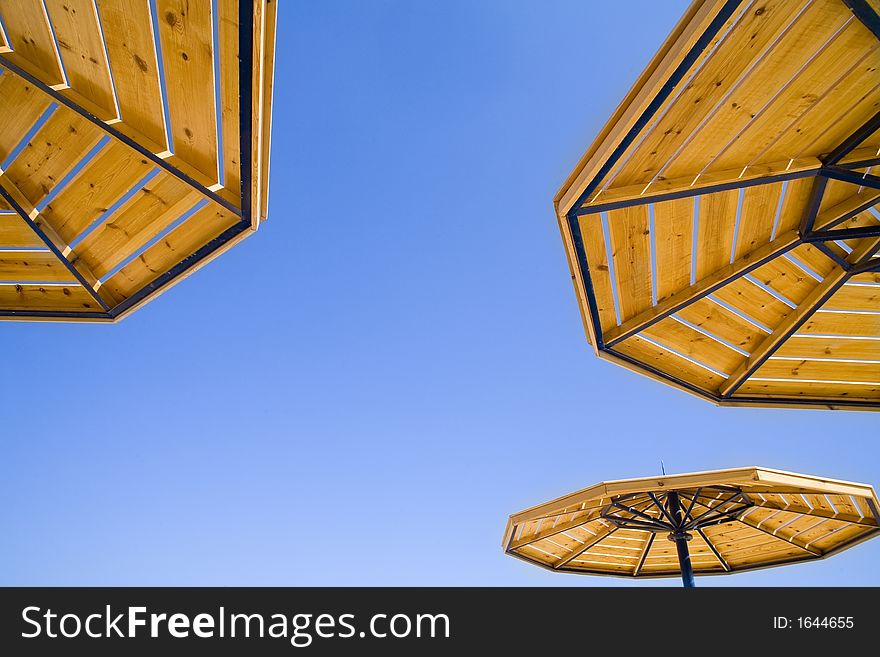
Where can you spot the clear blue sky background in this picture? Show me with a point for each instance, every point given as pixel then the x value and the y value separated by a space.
pixel 362 392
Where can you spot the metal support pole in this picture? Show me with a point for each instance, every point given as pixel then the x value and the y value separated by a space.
pixel 681 538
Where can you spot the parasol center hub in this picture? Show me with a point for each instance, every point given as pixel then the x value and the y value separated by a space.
pixel 679 536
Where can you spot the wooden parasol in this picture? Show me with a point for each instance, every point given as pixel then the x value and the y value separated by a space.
pixel 706 523
pixel 134 147
pixel 722 230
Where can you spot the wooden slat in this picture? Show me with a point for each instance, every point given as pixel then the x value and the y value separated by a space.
pixel 128 32
pixel 817 370
pixel 717 222
pixel 758 212
pixel 839 348
pixel 81 46
pixel 16 233
pixel 187 54
pixel 55 149
pixel 262 164
pixel 27 27
pixel 597 259
pixel 631 252
pixel 717 320
pixel 826 323
pixel 159 203
pixel 868 278
pixel 46 297
pixel 181 242
pixel 97 186
pixel 20 106
pixel 696 345
pixel 808 390
pixel 41 266
pixel 228 36
pixel 855 297
pixel 673 238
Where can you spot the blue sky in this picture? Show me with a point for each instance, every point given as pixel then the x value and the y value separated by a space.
pixel 362 392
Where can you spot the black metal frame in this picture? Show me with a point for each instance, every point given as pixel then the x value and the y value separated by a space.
pixel 829 169
pixel 246 114
pixel 663 512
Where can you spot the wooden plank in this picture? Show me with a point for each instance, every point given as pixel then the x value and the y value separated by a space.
pixel 181 242
pixel 673 238
pixel 717 320
pixel 27 27
pixel 808 390
pixel 855 297
pixel 187 54
pixel 786 278
pixel 97 186
pixel 81 46
pixel 631 254
pixel 53 151
pixel 754 302
pixel 600 275
pixel 669 362
pixel 16 233
pixel 814 348
pixel 268 83
pixel 868 278
pixel 128 33
pixel 21 105
pixel 160 202
pixel 696 345
pixel 717 222
pixel 40 266
pixel 833 323
pixel 742 46
pixel 817 370
pixel 229 117
pixel 816 25
pixel 47 297
pixel 757 215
